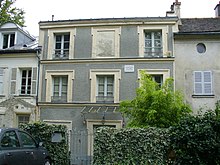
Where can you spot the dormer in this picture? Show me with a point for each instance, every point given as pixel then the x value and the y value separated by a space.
pixel 12 34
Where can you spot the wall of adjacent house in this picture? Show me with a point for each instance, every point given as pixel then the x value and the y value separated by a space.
pixel 188 60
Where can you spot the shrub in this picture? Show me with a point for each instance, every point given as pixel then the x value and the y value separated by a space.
pixel 58 151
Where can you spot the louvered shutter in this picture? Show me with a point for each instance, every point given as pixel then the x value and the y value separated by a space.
pixel 207 76
pixel 34 81
pixel 13 80
pixel 1 81
pixel 198 82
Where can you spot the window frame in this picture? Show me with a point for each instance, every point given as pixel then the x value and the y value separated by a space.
pixel 164 30
pixel 52 41
pixel 60 91
pixel 117 32
pixel 164 72
pixel 23 115
pixel 105 72
pixel 49 82
pixel 203 84
pixel 61 54
pixel 9 39
pixel 27 81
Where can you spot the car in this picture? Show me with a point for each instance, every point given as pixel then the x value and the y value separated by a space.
pixel 18 147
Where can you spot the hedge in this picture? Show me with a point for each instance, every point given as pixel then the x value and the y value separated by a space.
pixel 130 146
pixel 58 150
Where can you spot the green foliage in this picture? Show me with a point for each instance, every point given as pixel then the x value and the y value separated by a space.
pixel 58 151
pixel 130 146
pixel 8 13
pixel 154 106
pixel 196 140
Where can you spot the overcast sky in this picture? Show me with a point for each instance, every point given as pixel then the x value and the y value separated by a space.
pixel 42 10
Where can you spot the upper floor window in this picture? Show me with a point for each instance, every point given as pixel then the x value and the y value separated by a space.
pixel 62 45
pixel 23 81
pixel 26 82
pixel 105 42
pixel 158 79
pixel 105 85
pixel 8 40
pixel 105 88
pixel 203 83
pixel 60 84
pixel 153 43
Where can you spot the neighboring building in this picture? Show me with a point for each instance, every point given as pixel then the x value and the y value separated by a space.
pixel 89 65
pixel 197 61
pixel 18 76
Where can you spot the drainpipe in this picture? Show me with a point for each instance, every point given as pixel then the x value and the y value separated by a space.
pixel 38 52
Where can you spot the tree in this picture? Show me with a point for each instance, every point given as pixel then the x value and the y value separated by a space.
pixel 155 106
pixel 8 13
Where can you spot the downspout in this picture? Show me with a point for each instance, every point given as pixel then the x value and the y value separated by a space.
pixel 38 51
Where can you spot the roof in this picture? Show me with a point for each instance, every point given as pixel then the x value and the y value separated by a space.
pixel 199 25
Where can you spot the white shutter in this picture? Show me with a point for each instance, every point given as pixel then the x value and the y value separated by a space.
pixel 13 80
pixel 198 82
pixel 203 82
pixel 1 81
pixel 207 82
pixel 34 81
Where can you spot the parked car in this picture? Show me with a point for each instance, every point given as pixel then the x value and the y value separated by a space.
pixel 18 147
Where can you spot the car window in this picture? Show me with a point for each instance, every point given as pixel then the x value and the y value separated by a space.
pixel 27 140
pixel 9 139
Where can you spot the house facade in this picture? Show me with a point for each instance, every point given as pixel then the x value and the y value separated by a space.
pixel 18 76
pixel 197 72
pixel 88 66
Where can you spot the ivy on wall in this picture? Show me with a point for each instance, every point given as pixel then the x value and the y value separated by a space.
pixel 58 150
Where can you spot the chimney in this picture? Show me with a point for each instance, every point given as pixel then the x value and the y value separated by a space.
pixel 217 10
pixel 174 9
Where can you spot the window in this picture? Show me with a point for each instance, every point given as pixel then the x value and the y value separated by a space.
pixel 59 85
pixel 23 119
pixel 158 79
pixel 105 88
pixel 153 43
pixel 9 139
pixel 27 141
pixel 201 48
pixel 105 42
pixel 8 40
pixel 203 83
pixel 60 88
pixel 62 44
pixel 26 82
pixel 105 85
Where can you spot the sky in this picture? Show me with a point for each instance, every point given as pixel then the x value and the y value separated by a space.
pixel 42 10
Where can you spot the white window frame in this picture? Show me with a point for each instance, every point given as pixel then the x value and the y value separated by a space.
pixel 141 32
pixel 49 82
pixel 23 115
pixel 117 32
pixel 27 79
pixel 106 84
pixel 60 85
pixel 203 83
pixel 164 72
pixel 105 72
pixel 52 41
pixel 2 39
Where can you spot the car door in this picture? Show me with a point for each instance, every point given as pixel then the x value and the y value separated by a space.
pixel 10 146
pixel 34 156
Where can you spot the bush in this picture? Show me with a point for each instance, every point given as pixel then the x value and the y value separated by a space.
pixel 130 146
pixel 58 151
pixel 196 140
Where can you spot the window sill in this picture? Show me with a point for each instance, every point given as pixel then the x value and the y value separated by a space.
pixel 203 96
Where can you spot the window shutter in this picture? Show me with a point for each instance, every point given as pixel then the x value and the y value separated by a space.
pixel 13 80
pixel 1 81
pixel 198 82
pixel 207 82
pixel 34 81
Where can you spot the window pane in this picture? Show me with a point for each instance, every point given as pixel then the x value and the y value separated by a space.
pixel 66 37
pixel 12 39
pixel 9 139
pixel 27 141
pixel 5 41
